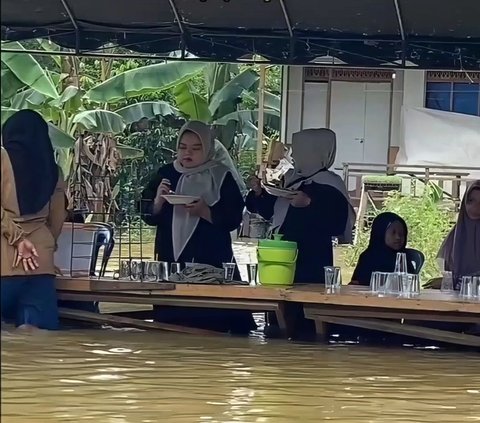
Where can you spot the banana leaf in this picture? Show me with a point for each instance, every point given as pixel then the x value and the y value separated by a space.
pixel 146 109
pixel 145 79
pixel 103 121
pixel 192 104
pixel 28 70
pixel 231 92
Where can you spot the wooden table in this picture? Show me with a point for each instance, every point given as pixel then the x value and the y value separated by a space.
pixel 240 297
pixel 353 306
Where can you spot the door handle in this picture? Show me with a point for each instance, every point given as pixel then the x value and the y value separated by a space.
pixel 361 140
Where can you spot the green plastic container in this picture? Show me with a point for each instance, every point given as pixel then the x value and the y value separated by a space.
pixel 276 254
pixel 277 243
pixel 276 266
pixel 274 273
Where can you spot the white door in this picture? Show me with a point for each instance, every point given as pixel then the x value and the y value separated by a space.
pixel 347 120
pixel 377 122
pixel 360 116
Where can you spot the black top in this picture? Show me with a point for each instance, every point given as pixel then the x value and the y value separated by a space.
pixel 211 242
pixel 26 140
pixel 311 227
pixel 378 257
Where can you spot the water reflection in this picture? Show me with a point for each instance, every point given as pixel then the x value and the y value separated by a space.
pixel 132 377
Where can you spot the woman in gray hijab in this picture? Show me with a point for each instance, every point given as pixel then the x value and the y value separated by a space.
pixel 198 232
pixel 319 211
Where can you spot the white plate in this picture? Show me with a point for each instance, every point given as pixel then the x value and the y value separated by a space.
pixel 179 200
pixel 280 192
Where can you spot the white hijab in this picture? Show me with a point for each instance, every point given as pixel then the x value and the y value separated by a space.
pixel 204 181
pixel 313 153
pixel 223 156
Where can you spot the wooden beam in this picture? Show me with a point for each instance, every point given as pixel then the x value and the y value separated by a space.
pixel 96 285
pixel 171 301
pixel 382 313
pixel 118 321
pixel 399 329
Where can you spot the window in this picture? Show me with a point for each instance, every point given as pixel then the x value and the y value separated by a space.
pixel 460 97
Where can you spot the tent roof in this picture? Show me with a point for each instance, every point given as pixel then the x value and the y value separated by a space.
pixel 428 33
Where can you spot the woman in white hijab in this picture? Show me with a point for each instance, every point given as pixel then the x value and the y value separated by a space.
pixel 198 232
pixel 319 211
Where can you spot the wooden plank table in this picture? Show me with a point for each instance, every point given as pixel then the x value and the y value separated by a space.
pixel 357 307
pixel 353 306
pixel 241 297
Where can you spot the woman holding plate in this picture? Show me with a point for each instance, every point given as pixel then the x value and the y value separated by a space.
pixel 209 206
pixel 317 209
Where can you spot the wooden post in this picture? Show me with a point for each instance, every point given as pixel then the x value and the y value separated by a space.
pixel 261 116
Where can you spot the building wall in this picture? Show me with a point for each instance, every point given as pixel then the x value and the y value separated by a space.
pixel 307 104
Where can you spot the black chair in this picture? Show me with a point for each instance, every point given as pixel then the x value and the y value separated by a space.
pixel 417 258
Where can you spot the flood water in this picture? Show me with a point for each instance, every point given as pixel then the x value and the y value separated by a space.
pixel 138 377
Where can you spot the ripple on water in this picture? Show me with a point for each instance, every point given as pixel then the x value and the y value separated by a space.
pixel 131 377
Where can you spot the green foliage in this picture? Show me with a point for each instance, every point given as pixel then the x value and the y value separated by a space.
pixel 428 224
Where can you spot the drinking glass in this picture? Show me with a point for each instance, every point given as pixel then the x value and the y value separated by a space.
pixel 467 287
pixel 125 269
pixel 382 278
pixel 476 286
pixel 163 271
pixel 415 286
pixel 409 285
pixel 175 269
pixel 252 270
pixel 137 270
pixel 333 279
pixel 152 270
pixel 401 263
pixel 228 271
pixel 392 285
pixel 374 282
pixel 447 282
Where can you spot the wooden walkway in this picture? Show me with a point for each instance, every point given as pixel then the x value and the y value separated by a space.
pixel 353 306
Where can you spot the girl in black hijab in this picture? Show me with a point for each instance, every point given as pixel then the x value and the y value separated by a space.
pixel 25 137
pixel 388 237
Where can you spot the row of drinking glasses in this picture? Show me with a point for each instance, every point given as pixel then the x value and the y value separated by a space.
pixel 150 271
pixel 139 270
pixel 402 284
pixel 470 287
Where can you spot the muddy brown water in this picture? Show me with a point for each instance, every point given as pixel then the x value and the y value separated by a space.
pixel 120 376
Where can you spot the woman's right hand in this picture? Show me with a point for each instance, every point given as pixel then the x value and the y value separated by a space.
pixel 163 188
pixel 255 184
pixel 27 255
pixel 159 201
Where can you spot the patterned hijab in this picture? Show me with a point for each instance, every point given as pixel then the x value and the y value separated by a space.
pixel 461 249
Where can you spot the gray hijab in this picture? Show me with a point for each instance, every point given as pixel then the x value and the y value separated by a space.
pixel 204 181
pixel 313 153
pixel 461 248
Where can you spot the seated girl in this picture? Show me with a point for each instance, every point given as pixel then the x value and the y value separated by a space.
pixel 387 238
pixel 460 252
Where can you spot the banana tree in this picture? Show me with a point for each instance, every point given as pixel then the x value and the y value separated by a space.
pixel 219 103
pixel 227 87
pixel 70 111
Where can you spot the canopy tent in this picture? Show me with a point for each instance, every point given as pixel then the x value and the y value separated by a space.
pixel 433 34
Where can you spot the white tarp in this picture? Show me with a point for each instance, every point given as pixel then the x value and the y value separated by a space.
pixel 433 137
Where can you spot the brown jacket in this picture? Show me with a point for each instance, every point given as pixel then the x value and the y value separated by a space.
pixel 42 228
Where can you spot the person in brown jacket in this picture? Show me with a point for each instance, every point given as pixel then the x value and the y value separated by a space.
pixel 33 212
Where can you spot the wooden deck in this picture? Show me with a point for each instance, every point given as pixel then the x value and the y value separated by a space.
pixel 353 306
